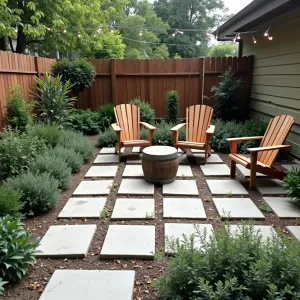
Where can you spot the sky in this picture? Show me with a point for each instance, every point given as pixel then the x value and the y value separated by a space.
pixel 236 5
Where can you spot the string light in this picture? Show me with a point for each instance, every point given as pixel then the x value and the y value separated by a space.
pixel 177 31
pixel 141 33
pixel 234 40
pixel 79 35
pixel 267 32
pixel 49 29
pixel 254 40
pixel 238 36
pixel 65 30
pixel 270 38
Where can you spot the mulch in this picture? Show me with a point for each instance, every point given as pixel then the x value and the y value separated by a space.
pixel 147 271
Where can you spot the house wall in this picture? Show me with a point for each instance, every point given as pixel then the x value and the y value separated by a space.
pixel 276 76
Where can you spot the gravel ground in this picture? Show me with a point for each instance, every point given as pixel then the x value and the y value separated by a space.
pixel 147 271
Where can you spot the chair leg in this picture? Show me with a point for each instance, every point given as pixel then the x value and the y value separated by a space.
pixel 209 150
pixel 252 184
pixel 232 169
pixel 205 156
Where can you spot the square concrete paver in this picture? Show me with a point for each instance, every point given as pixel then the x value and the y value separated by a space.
pixel 199 151
pixel 185 208
pixel 268 186
pixel 283 207
pixel 129 208
pixel 101 171
pixel 225 187
pixel 106 159
pixel 136 187
pixel 237 208
pixel 134 159
pixel 135 150
pixel 107 150
pixel 90 285
pixel 174 231
pixel 213 159
pixel 133 171
pixel 66 241
pixel 181 188
pixel 94 187
pixel 215 170
pixel 294 231
pixel 264 230
pixel 184 171
pixel 129 241
pixel 83 208
pixel 291 167
pixel 246 172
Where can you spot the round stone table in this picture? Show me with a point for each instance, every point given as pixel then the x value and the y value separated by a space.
pixel 160 164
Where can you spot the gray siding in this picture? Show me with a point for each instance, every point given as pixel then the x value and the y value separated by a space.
pixel 276 76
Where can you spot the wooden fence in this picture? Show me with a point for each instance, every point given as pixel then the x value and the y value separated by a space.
pixel 119 81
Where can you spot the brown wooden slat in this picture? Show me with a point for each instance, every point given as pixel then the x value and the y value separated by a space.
pixel 196 122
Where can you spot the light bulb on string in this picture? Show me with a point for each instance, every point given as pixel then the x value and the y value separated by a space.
pixel 266 34
pixel 254 40
pixel 238 36
pixel 79 35
pixel 49 29
pixel 65 30
pixel 270 38
pixel 141 33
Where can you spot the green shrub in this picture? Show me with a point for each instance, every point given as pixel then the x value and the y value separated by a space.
pixel 16 152
pixel 39 192
pixel 79 72
pixel 9 202
pixel 163 135
pixel 106 116
pixel 17 249
pixel 144 133
pixel 172 107
pixel 52 100
pixel 232 266
pixel 147 114
pixel 72 159
pixel 55 166
pixel 224 130
pixel 50 133
pixel 79 143
pixel 226 97
pixel 2 283
pixel 85 121
pixel 107 138
pixel 292 184
pixel 18 113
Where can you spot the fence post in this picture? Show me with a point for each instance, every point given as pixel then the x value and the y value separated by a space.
pixel 113 79
pixel 36 65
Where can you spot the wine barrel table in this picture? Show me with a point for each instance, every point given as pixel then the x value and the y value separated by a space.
pixel 160 164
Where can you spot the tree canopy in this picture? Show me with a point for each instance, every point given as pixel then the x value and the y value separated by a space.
pixel 59 25
pixel 225 49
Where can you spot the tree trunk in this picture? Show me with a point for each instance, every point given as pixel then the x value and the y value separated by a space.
pixel 21 41
pixel 3 44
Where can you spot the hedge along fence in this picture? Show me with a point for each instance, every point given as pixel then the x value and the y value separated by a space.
pixel 119 81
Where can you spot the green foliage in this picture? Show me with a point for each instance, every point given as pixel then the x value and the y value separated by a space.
pixel 172 107
pixel 39 192
pixel 147 114
pixel 71 158
pixel 2 283
pixel 226 97
pixel 232 266
pixel 85 121
pixel 55 166
pixel 52 100
pixel 107 138
pixel 80 73
pixel 198 16
pixel 143 133
pixel 18 113
pixel 17 249
pixel 79 143
pixel 224 49
pixel 17 151
pixel 106 116
pixel 50 133
pixel 292 184
pixel 225 130
pixel 9 202
pixel 66 26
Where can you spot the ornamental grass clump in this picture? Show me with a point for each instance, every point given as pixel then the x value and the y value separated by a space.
pixel 173 107
pixel 231 266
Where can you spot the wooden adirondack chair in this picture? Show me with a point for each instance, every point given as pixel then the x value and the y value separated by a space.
pixel 127 128
pixel 198 129
pixel 262 157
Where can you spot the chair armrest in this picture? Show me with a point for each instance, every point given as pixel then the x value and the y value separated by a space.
pixel 116 127
pixel 210 129
pixel 246 138
pixel 178 127
pixel 148 126
pixel 276 147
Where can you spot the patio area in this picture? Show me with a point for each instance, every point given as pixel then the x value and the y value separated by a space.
pixel 136 218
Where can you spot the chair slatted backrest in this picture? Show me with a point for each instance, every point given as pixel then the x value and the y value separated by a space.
pixel 128 119
pixel 276 134
pixel 198 118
